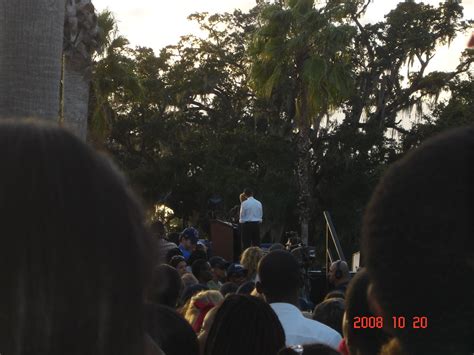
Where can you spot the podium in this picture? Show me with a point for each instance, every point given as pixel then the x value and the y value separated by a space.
pixel 225 240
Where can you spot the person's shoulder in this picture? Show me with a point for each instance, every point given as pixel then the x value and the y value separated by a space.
pixel 323 329
pixel 245 202
pixel 322 333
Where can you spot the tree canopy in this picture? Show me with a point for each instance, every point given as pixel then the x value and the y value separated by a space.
pixel 197 122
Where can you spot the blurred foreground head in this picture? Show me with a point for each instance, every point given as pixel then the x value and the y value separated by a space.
pixel 73 248
pixel 244 325
pixel 418 237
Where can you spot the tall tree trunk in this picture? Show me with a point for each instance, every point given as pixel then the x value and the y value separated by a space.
pixel 75 98
pixel 302 118
pixel 31 42
pixel 303 171
pixel 81 40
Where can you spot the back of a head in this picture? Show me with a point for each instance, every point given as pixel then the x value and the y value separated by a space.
pixel 248 192
pixel 331 313
pixel 197 255
pixel 245 325
pixel 199 305
pixel 173 237
pixel 170 330
pixel 343 268
pixel 309 349
pixel 419 245
pixel 228 288
pixel 198 266
pixel 189 280
pixel 190 233
pixel 166 286
pixel 276 246
pixel 335 294
pixel 74 252
pixel 250 258
pixel 246 288
pixel 175 260
pixel 190 291
pixel 361 340
pixel 172 253
pixel 279 274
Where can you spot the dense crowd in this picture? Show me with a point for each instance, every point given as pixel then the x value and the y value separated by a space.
pixel 82 274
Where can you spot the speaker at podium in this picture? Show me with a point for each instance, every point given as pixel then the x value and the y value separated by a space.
pixel 225 239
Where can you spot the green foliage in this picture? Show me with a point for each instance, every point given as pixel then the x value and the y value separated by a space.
pixel 186 127
pixel 455 112
pixel 208 117
pixel 305 48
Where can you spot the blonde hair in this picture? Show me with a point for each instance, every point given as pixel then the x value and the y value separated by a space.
pixel 242 197
pixel 250 258
pixel 191 312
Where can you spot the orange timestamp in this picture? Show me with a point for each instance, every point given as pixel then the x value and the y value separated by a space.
pixel 397 322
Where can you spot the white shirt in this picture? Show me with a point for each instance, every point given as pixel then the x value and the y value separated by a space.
pixel 300 330
pixel 251 211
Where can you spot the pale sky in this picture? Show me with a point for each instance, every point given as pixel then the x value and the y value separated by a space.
pixel 157 23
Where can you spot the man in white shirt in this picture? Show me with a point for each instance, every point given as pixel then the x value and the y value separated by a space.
pixel 279 281
pixel 251 213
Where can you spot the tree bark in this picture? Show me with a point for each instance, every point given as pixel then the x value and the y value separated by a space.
pixel 75 98
pixel 31 42
pixel 303 171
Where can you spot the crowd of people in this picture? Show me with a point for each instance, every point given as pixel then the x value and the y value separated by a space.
pixel 82 274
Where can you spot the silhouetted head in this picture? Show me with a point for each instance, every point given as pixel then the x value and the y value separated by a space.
pixel 170 331
pixel 419 243
pixel 245 325
pixel 361 340
pixel 229 288
pixel 246 288
pixel 276 246
pixel 172 253
pixel 248 192
pixel 166 286
pixel 74 252
pixel 197 255
pixel 280 277
pixel 330 312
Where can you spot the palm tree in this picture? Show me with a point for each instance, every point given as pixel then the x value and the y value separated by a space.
pixel 113 73
pixel 302 52
pixel 31 34
pixel 81 40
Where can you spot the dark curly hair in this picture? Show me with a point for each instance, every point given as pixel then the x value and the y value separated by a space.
pixel 245 325
pixel 418 243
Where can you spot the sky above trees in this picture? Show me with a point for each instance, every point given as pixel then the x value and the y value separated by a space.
pixel 156 24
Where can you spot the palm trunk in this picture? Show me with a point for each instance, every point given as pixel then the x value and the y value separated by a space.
pixel 304 191
pixel 75 98
pixel 31 42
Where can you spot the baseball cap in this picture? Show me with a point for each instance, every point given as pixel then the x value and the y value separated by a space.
pixel 236 270
pixel 219 262
pixel 191 234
